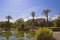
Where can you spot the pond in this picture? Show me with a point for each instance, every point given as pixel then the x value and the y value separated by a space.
pixel 17 35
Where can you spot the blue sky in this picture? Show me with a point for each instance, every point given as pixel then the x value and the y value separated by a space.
pixel 23 8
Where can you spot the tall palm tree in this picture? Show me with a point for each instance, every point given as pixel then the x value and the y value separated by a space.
pixel 8 17
pixel 8 22
pixel 33 15
pixel 46 12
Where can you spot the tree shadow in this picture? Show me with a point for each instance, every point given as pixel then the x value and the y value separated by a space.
pixel 53 38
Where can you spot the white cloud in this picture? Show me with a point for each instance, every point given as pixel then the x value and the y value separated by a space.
pixel 55 17
pixel 25 19
pixel 12 21
pixel 41 17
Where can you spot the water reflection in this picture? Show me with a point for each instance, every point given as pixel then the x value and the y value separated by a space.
pixel 14 35
pixel 13 38
pixel 3 38
pixel 25 37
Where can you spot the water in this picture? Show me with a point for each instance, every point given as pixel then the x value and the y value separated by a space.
pixel 25 38
pixel 3 38
pixel 13 38
pixel 8 36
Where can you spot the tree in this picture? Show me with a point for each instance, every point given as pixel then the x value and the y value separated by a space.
pixel 33 15
pixel 8 17
pixel 58 20
pixel 19 22
pixel 1 23
pixel 8 22
pixel 58 16
pixel 55 23
pixel 28 23
pixel 46 13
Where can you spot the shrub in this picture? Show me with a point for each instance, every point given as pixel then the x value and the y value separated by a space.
pixel 56 29
pixel 44 34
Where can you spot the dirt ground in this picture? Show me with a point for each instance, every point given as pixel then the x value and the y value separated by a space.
pixel 56 35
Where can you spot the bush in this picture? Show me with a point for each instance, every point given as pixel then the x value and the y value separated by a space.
pixel 56 29
pixel 44 34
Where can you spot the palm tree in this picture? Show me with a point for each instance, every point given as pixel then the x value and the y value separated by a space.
pixel 8 17
pixel 46 12
pixel 33 15
pixel 8 22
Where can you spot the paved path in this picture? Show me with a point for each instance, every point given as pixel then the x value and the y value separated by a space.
pixel 56 35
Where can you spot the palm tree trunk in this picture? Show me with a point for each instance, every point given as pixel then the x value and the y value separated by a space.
pixel 47 19
pixel 8 20
pixel 8 25
pixel 33 22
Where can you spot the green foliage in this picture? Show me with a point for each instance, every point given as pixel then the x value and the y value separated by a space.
pixel 8 17
pixel 57 21
pixel 58 17
pixel 33 14
pixel 19 22
pixel 46 12
pixel 55 24
pixel 30 34
pixel 56 29
pixel 7 34
pixel 20 34
pixel 44 34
